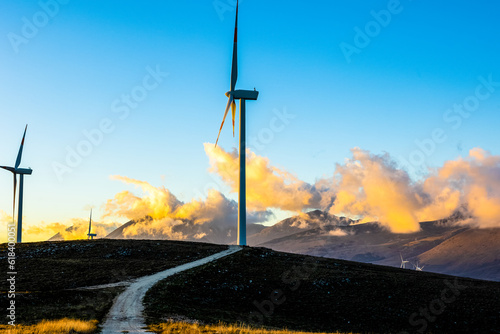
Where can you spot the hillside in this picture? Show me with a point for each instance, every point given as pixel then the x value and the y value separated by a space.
pixel 443 246
pixel 311 293
pixel 259 286
pixel 473 253
pixel 51 273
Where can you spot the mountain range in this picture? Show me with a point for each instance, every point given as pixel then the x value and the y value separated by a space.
pixel 443 246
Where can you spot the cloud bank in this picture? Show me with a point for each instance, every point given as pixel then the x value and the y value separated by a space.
pixel 75 229
pixel 374 188
pixel 200 219
pixel 267 186
pixel 367 186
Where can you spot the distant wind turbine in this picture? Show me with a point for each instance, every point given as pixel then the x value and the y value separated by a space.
pixel 403 262
pixel 241 95
pixel 417 267
pixel 21 172
pixel 91 235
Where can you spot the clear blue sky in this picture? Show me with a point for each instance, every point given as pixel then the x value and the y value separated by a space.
pixel 64 77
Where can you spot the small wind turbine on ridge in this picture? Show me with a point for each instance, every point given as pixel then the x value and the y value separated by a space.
pixel 417 267
pixel 233 94
pixel 403 262
pixel 91 235
pixel 21 172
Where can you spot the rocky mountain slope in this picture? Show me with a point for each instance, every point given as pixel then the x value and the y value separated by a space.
pixel 443 246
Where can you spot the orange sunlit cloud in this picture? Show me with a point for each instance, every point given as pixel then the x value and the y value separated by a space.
pixel 267 186
pixel 171 218
pixel 5 217
pixel 472 182
pixel 370 186
pixel 75 229
pixel 374 188
pixel 367 185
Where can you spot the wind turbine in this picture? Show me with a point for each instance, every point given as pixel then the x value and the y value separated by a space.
pixel 241 95
pixel 91 235
pixel 21 172
pixel 403 262
pixel 417 267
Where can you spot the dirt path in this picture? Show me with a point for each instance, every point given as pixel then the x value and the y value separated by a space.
pixel 125 316
pixel 105 286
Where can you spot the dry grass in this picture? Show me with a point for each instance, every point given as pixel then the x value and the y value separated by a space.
pixel 189 328
pixel 65 326
pixel 62 326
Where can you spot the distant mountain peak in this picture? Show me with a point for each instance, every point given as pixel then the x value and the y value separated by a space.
pixel 328 219
pixel 316 219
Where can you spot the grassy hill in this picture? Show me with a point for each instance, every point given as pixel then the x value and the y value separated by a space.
pixel 259 287
pixel 49 273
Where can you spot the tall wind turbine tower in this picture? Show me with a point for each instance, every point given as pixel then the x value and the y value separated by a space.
pixel 241 95
pixel 21 172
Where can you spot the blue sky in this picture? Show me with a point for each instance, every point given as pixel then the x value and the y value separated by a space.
pixel 63 79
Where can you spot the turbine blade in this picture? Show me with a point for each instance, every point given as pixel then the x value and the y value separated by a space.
pixel 14 200
pixel 18 160
pixel 233 111
pixel 234 76
pixel 229 101
pixel 10 169
pixel 234 68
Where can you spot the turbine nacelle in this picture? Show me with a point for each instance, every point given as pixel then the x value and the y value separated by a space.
pixel 24 171
pixel 239 94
